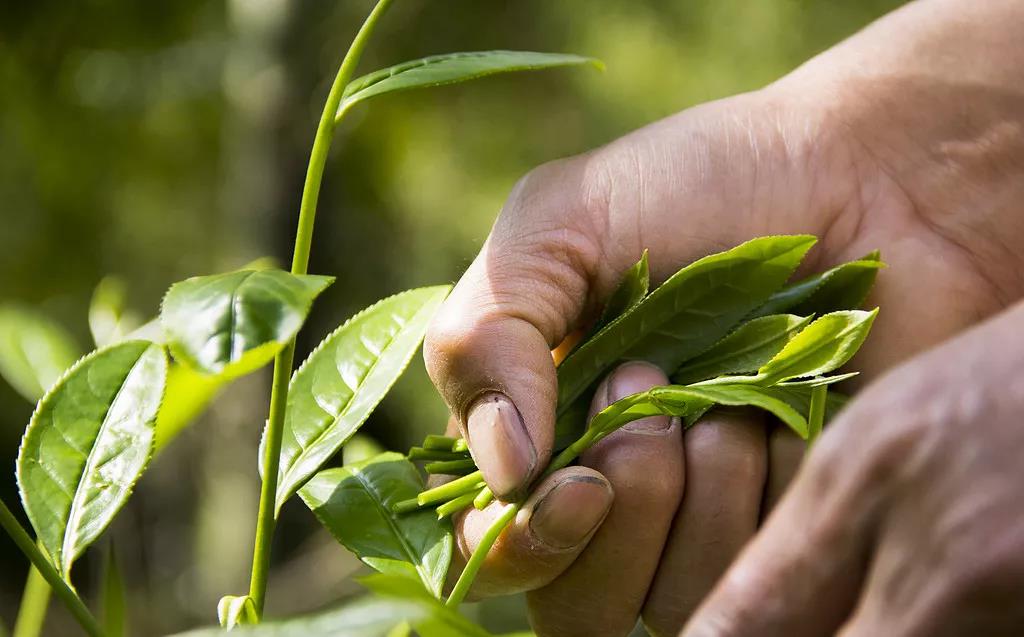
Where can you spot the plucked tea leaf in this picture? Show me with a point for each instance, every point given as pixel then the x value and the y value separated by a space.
pixel 746 395
pixel 34 350
pixel 746 349
pixel 344 379
pixel 452 68
pixel 684 316
pixel 356 504
pixel 88 442
pixel 234 323
pixel 823 346
pixel 843 287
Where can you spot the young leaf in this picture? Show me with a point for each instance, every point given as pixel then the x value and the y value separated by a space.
pixel 452 68
pixel 88 442
pixel 34 350
pixel 365 617
pixel 356 504
pixel 113 605
pixel 843 287
pixel 687 314
pixel 745 350
pixel 633 287
pixel 344 379
pixel 235 323
pixel 236 610
pixel 823 346
pixel 108 320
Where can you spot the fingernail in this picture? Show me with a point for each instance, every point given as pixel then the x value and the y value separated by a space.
pixel 633 378
pixel 571 511
pixel 499 443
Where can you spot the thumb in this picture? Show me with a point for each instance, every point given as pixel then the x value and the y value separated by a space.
pixel 488 350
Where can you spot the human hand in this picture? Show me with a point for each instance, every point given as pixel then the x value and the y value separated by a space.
pixel 911 526
pixel 864 156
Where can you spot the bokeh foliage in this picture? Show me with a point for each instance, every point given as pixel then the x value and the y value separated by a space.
pixel 158 140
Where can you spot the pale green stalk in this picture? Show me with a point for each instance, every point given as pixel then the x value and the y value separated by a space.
pixel 34 602
pixel 266 519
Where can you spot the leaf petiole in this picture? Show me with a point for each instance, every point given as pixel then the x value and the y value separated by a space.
pixel 60 587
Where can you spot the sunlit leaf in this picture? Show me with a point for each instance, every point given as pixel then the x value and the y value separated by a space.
pixel 452 68
pixel 188 395
pixel 356 503
pixel 87 444
pixel 234 323
pixel 344 379
pixel 109 321
pixel 821 347
pixel 34 350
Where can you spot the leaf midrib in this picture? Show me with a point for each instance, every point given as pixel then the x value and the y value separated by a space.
pixel 384 513
pixel 810 352
pixel 348 404
pixel 71 532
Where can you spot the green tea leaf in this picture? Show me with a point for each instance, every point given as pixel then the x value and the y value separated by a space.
pixel 745 395
pixel 439 622
pixel 360 447
pixel 365 617
pixel 34 350
pixel 88 442
pixel 113 603
pixel 109 322
pixel 236 610
pixel 356 504
pixel 344 379
pixel 823 346
pixel 633 287
pixel 844 287
pixel 684 316
pixel 818 381
pixel 452 68
pixel 188 395
pixel 234 323
pixel 745 350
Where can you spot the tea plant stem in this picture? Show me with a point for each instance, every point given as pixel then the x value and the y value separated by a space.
pixel 455 505
pixel 34 602
pixel 64 592
pixel 452 489
pixel 266 519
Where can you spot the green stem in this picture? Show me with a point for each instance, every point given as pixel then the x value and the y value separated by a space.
pixel 816 413
pixel 267 518
pixel 452 489
pixel 457 504
pixel 59 586
pixel 476 560
pixel 34 602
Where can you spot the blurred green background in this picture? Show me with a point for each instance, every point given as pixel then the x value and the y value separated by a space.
pixel 158 140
